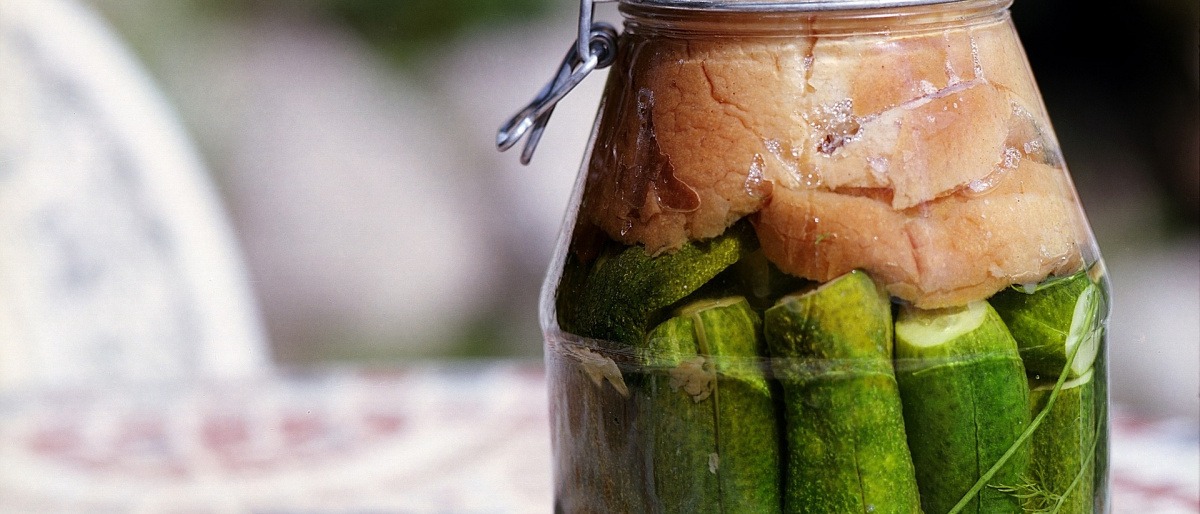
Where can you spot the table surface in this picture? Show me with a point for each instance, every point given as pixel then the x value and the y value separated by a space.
pixel 431 437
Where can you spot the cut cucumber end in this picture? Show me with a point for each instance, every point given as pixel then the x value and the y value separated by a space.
pixel 854 280
pixel 847 317
pixel 929 328
pixel 699 306
pixel 1084 334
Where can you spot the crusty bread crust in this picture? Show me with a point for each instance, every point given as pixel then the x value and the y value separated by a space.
pixel 683 152
pixel 959 248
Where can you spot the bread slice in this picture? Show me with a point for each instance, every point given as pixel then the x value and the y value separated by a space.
pixel 1019 227
pixel 687 144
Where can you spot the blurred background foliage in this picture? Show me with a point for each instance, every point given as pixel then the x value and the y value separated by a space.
pixel 406 31
pixel 410 30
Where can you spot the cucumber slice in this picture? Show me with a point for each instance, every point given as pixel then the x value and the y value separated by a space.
pixel 965 400
pixel 1051 322
pixel 844 430
pixel 616 297
pixel 1063 447
pixel 714 438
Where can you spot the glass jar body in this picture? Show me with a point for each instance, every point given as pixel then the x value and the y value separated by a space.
pixel 826 261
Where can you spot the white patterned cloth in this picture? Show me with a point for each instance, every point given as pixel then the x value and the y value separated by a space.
pixel 448 438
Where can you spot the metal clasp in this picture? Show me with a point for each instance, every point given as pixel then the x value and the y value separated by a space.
pixel 594 48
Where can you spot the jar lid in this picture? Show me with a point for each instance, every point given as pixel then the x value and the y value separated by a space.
pixel 779 5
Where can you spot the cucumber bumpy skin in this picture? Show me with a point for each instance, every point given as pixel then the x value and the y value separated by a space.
pixel 710 413
pixel 844 432
pixel 1051 321
pixel 614 297
pixel 965 399
pixel 1062 460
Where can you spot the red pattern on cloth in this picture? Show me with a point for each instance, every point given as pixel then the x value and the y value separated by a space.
pixel 424 438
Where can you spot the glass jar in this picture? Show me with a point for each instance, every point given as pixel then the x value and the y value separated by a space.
pixel 825 256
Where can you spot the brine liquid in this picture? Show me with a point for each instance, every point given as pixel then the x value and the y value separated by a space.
pixel 614 452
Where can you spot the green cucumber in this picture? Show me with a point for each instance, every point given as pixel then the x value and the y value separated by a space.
pixel 615 296
pixel 1051 321
pixel 678 415
pixel 1064 445
pixel 713 435
pixel 965 400
pixel 844 431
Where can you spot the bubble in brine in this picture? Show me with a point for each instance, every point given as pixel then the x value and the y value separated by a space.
pixel 1012 158
pixel 879 165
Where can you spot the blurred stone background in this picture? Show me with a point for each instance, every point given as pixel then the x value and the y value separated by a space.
pixel 352 141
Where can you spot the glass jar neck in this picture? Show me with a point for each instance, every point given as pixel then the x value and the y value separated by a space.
pixel 691 19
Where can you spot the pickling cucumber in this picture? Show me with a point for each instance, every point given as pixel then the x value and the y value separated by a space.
pixel 844 432
pixel 965 400
pixel 713 434
pixel 1053 321
pixel 615 296
pixel 1064 445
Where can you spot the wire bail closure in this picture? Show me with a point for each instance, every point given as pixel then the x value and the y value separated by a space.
pixel 593 49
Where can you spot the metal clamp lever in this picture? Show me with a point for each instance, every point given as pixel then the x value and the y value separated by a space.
pixel 600 44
